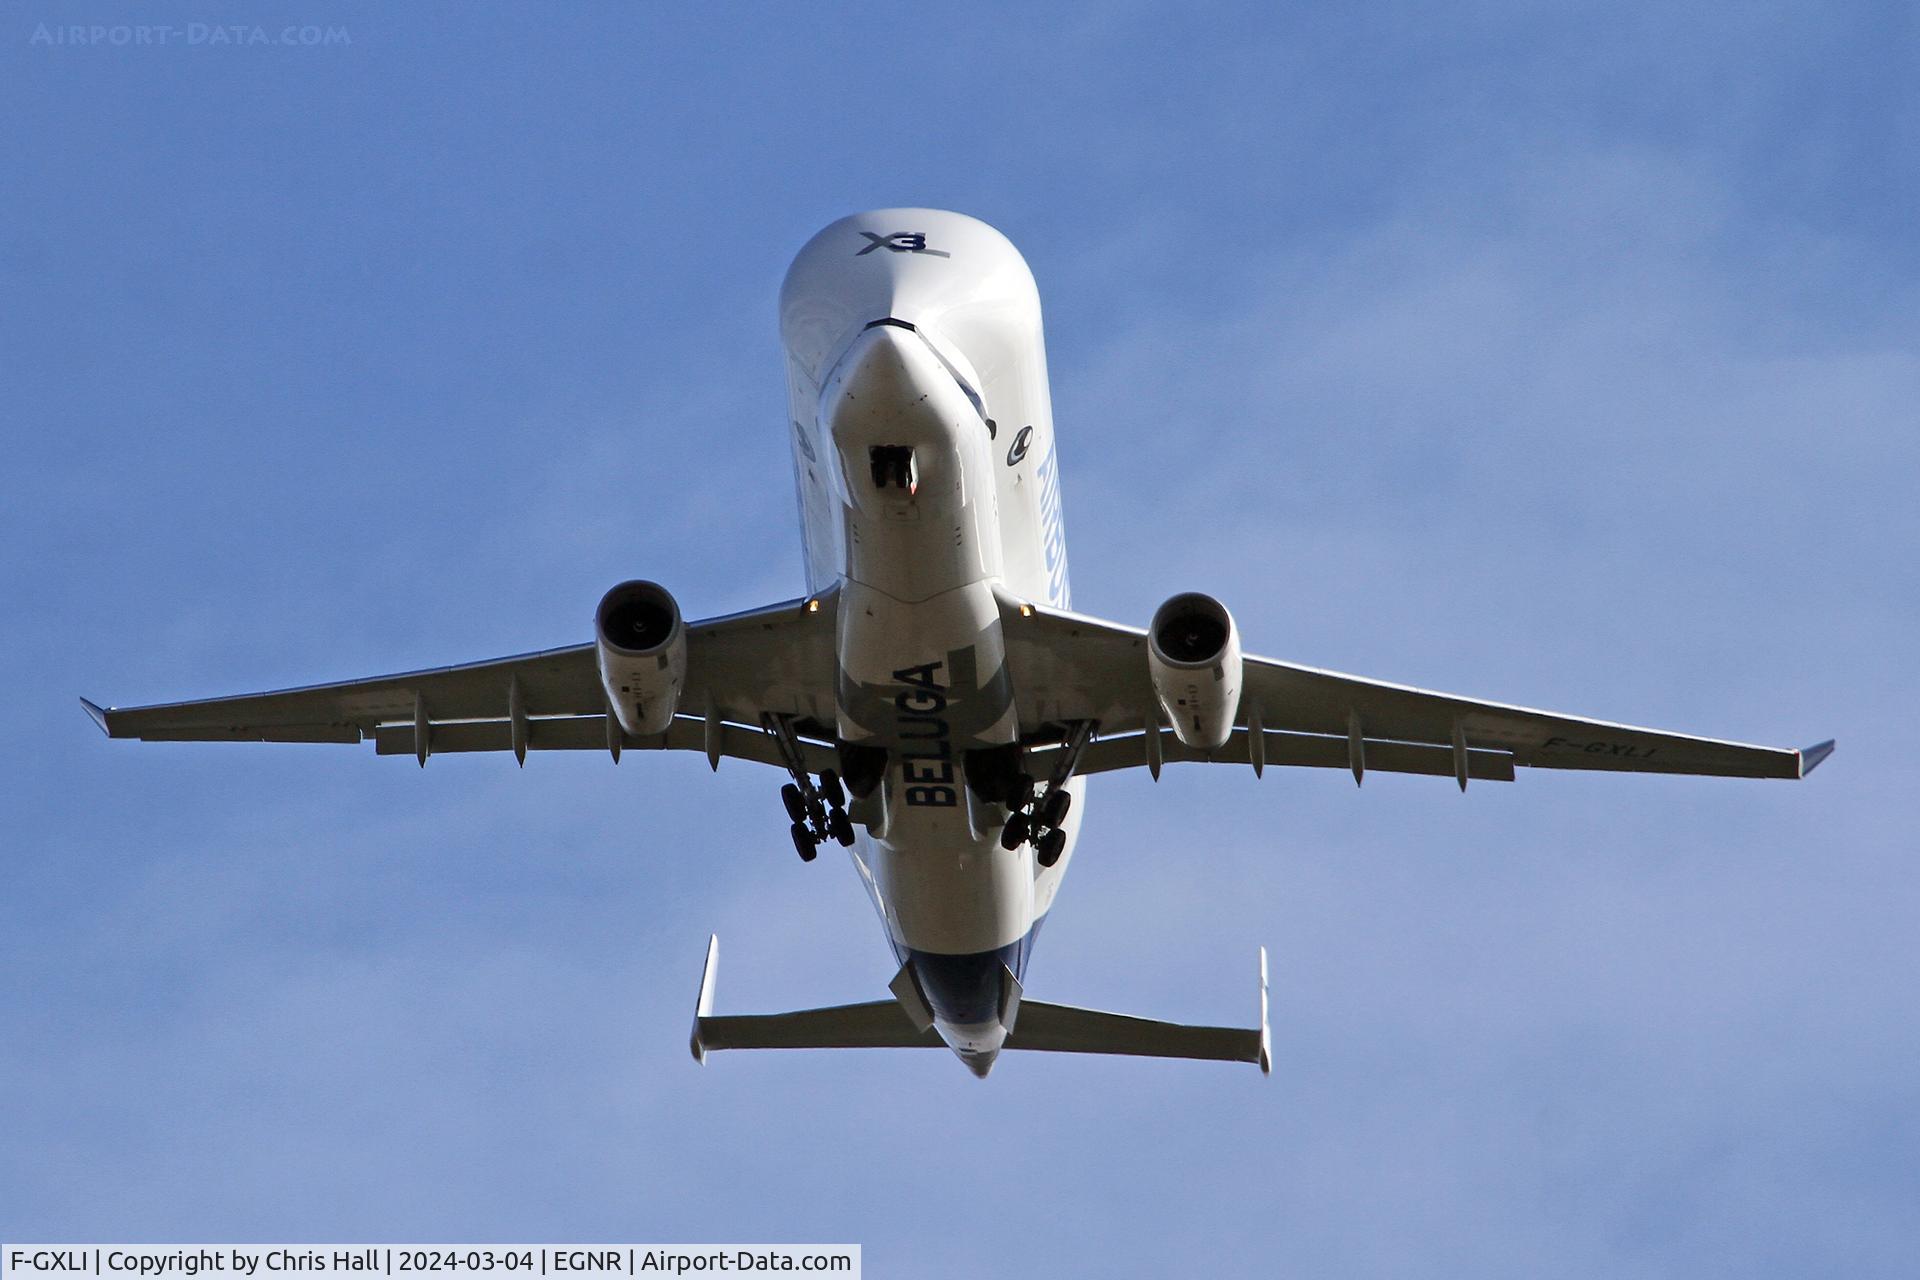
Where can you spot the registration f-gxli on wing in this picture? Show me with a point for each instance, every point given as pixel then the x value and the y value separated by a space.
pixel 934 701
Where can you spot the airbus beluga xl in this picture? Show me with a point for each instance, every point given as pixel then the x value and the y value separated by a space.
pixel 934 702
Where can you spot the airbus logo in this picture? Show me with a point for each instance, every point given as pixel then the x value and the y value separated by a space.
pixel 1017 451
pixel 900 242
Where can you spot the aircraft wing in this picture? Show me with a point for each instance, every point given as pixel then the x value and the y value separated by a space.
pixel 1068 667
pixel 777 660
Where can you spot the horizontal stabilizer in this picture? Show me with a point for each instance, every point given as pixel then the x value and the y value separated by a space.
pixel 1038 1026
pixel 879 1024
pixel 1062 1028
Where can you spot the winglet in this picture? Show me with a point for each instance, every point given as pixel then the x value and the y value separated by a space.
pixel 704 1006
pixel 1266 1033
pixel 98 715
pixel 1811 757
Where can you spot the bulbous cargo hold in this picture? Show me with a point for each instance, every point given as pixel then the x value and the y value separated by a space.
pixel 641 645
pixel 1193 656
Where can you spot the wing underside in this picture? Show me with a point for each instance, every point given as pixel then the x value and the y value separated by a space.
pixel 1070 668
pixel 741 669
pixel 1065 668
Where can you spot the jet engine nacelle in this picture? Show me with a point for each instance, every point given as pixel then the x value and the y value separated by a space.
pixel 1193 655
pixel 642 648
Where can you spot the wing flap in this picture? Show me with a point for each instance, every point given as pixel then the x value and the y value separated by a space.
pixel 589 733
pixel 246 733
pixel 1129 751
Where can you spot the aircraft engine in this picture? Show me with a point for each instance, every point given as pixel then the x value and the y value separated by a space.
pixel 642 649
pixel 1193 655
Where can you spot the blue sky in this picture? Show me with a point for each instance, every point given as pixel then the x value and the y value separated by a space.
pixel 1564 355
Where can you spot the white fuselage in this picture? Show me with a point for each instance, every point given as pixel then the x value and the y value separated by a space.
pixel 924 454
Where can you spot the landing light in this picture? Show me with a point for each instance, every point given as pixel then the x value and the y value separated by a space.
pixel 1026 611
pixel 813 606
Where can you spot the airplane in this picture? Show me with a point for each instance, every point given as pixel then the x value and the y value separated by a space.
pixel 934 701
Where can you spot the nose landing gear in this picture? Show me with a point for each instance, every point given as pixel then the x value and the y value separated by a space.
pixel 893 467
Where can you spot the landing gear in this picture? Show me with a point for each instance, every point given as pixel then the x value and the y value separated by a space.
pixel 1038 821
pixel 816 811
pixel 803 842
pixel 892 467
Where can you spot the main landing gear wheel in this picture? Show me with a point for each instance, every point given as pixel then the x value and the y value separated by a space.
pixel 803 842
pixel 817 812
pixel 1050 846
pixel 1014 834
pixel 1053 810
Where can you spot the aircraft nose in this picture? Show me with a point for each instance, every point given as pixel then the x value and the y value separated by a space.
pixel 890 388
pixel 888 362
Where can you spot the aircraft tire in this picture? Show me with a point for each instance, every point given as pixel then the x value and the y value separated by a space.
pixel 1050 847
